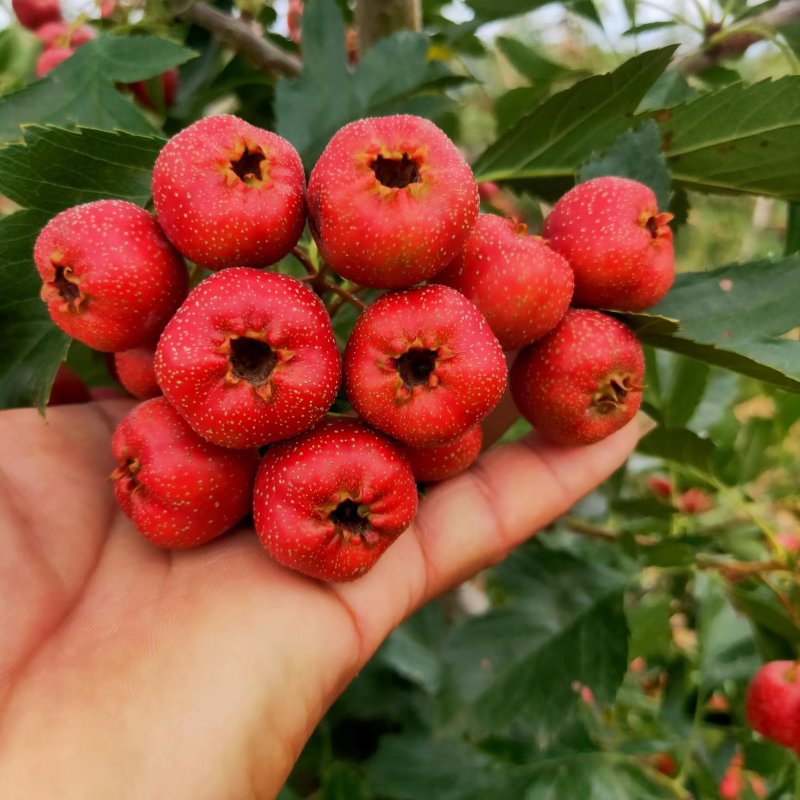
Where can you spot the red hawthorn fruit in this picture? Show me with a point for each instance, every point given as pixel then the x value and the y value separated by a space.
pixel 294 20
pixel 110 277
pixel 391 201
pixel 51 58
pixel 135 370
pixel 583 381
pixel 32 14
pixel 164 94
pixel 695 501
pixel 180 490
pixel 107 393
pixel 64 34
pixel 68 388
pixel 789 540
pixel 518 283
pixel 430 464
pixel 329 502
pixel 423 366
pixel 617 242
pixel 660 486
pixel 249 358
pixel 735 782
pixel 230 194
pixel 773 703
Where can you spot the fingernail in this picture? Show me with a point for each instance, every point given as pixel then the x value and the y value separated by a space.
pixel 645 423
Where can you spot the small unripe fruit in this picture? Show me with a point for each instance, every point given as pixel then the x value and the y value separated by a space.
pixel 391 201
pixel 329 502
pixel 110 277
pixel 583 381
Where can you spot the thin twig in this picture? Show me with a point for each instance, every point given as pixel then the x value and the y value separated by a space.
pixel 240 36
pixel 305 261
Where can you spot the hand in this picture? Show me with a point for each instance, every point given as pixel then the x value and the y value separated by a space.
pixel 132 672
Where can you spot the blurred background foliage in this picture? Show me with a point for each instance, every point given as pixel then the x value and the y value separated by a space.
pixel 607 658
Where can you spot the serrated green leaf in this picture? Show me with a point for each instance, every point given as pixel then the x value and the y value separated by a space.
pixel 738 139
pixel 529 62
pixel 32 346
pixel 671 89
pixel 81 90
pixel 58 168
pixel 566 624
pixel 558 136
pixel 681 446
pixel 729 318
pixel 327 95
pixel 637 155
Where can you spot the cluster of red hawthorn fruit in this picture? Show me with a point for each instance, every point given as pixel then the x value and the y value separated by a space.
pixel 60 38
pixel 249 358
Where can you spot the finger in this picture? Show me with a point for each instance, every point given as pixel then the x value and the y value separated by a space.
pixel 474 520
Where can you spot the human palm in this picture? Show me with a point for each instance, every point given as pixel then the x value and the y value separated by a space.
pixel 132 672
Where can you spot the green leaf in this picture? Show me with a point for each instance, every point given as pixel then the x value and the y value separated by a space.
pixel 792 229
pixel 32 346
pixel 671 89
pixel 343 782
pixel 530 63
pixel 327 95
pixel 488 10
pixel 566 624
pixel 81 90
pixel 57 168
pixel 411 768
pixel 558 136
pixel 730 317
pixel 681 446
pixel 738 139
pixel 592 776
pixel 726 647
pixel 637 155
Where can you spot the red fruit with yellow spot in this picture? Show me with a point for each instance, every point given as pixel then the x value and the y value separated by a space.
pixel 518 283
pixel 135 370
pixel 391 201
pixel 110 277
pixel 329 502
pixel 249 358
pixel 431 464
pixel 582 381
pixel 773 703
pixel 32 14
pixel 617 242
pixel 230 194
pixel 179 490
pixel 423 366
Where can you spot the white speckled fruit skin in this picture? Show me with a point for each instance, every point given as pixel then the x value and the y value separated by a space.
pixel 518 283
pixel 216 220
pixel 554 380
pixel 192 371
pixel 300 478
pixel 470 384
pixel 189 491
pixel 391 237
pixel 431 464
pixel 618 263
pixel 132 277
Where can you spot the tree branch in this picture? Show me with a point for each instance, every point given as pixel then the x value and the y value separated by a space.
pixel 378 18
pixel 238 35
pixel 733 42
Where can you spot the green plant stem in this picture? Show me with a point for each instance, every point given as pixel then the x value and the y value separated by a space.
pixel 305 261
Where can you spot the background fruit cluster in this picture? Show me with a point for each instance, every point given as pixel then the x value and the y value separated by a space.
pixel 517 685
